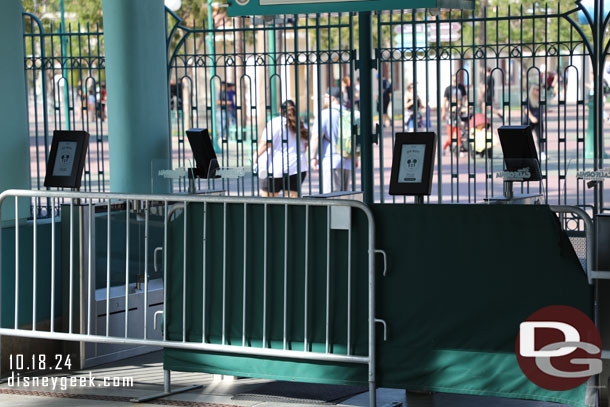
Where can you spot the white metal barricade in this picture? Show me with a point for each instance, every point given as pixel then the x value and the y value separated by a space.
pixel 81 208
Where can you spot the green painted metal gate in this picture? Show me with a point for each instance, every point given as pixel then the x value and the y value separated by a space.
pixel 268 61
pixel 65 83
pixel 541 46
pixel 559 47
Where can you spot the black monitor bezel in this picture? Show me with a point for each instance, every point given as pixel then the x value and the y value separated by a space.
pixel 203 153
pixel 73 180
pixel 524 155
pixel 413 189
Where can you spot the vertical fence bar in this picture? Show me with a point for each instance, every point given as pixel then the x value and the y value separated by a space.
pixel 285 274
pixel 184 241
pixel 146 237
pixel 16 262
pixel 349 288
pixel 327 279
pixel 34 266
pixel 204 274
pixel 381 119
pixel 71 284
pixel 165 285
pixel 598 63
pixel 52 265
pixel 126 266
pixel 439 152
pixel 244 297
pixel 89 267
pixel 224 271
pixel 371 277
pixel 108 268
pixel 305 337
pixel 265 275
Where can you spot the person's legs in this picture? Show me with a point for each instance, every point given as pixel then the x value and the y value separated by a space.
pixel 264 187
pixel 449 135
pixel 232 124
pixel 450 132
pixel 221 123
pixel 292 189
pixel 341 179
pixel 326 180
pixel 337 180
pixel 332 180
pixel 410 123
pixel 346 175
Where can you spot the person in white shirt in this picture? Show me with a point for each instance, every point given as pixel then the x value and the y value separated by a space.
pixel 282 165
pixel 336 170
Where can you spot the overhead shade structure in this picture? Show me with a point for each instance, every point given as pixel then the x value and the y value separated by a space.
pixel 271 7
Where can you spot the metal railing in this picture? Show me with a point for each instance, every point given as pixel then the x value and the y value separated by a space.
pixel 65 83
pixel 557 47
pixel 294 58
pixel 38 287
pixel 548 46
pixel 498 54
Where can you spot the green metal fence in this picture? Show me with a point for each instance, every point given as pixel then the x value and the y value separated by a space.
pixel 543 46
pixel 65 82
pixel 270 61
pixel 561 48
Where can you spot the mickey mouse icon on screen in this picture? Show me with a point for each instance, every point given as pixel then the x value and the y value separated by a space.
pixel 65 158
pixel 411 163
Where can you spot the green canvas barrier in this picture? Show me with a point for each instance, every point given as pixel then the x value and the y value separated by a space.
pixel 461 279
pixel 232 244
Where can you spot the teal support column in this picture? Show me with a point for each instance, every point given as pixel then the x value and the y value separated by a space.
pixel 211 55
pixel 136 82
pixel 590 137
pixel 15 147
pixel 272 71
pixel 365 65
pixel 64 53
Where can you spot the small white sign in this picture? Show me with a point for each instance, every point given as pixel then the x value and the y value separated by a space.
pixel 173 174
pixel 599 175
pixel 411 163
pixel 520 175
pixel 64 160
pixel 236 172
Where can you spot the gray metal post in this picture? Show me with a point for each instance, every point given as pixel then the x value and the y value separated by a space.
pixel 167 381
pixel 365 65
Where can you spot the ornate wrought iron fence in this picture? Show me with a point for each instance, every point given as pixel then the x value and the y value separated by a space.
pixel 299 57
pixel 497 58
pixel 543 47
pixel 65 82
pixel 270 61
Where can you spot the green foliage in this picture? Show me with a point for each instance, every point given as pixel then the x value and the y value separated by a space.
pixel 76 11
pixel 334 31
pixel 193 13
pixel 547 27
pixel 65 50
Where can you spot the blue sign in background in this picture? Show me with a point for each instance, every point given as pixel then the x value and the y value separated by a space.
pixel 589 5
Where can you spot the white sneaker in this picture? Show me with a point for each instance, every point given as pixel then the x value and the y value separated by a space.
pixel 543 156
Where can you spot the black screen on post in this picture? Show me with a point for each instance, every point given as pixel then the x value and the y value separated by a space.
pixel 203 152
pixel 519 150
